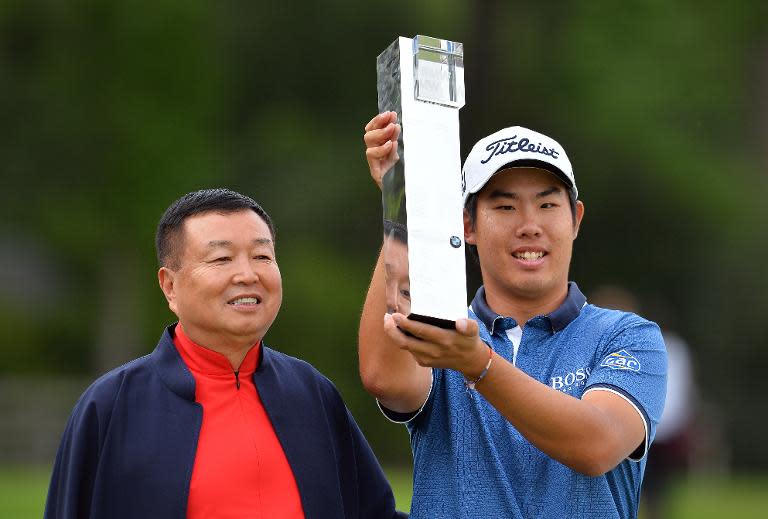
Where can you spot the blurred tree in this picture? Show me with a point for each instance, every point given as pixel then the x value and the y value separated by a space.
pixel 112 110
pixel 103 99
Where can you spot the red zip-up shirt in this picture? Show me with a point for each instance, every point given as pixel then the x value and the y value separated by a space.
pixel 240 468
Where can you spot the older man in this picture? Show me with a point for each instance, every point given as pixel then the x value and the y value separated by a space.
pixel 213 423
pixel 539 404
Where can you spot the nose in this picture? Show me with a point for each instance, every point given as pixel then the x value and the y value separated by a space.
pixel 528 226
pixel 391 297
pixel 245 273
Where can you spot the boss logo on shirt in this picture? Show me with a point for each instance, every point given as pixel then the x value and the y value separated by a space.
pixel 621 360
pixel 565 382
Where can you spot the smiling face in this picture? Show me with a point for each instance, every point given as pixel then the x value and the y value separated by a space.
pixel 227 290
pixel 524 233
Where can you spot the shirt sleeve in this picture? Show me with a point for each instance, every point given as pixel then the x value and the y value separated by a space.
pixel 406 418
pixel 633 365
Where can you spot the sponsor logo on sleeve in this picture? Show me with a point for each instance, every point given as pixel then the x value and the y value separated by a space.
pixel 621 360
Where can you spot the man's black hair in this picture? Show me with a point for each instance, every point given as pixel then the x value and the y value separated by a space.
pixel 471 207
pixel 220 200
pixel 396 230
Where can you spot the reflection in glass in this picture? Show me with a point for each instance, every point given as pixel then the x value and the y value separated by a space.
pixel 438 70
pixel 390 99
pixel 397 281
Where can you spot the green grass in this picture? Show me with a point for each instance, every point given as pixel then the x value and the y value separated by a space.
pixel 401 480
pixel 742 497
pixel 23 490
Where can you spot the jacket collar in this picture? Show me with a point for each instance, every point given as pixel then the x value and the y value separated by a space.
pixel 202 361
pixel 171 368
pixel 174 372
pixel 558 319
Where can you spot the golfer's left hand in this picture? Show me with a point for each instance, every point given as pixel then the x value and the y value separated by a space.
pixel 460 349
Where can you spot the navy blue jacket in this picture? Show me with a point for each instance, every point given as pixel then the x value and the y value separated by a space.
pixel 130 443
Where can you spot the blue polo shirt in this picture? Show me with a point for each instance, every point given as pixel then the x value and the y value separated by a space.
pixel 469 461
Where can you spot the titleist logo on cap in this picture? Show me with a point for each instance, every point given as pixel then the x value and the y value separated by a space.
pixel 510 145
pixel 515 146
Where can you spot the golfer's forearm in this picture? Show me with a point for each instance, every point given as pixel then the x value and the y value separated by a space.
pixel 387 372
pixel 572 431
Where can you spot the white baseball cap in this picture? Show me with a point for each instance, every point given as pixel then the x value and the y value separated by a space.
pixel 515 147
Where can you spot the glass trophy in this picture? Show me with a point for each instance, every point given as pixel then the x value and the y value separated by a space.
pixel 422 79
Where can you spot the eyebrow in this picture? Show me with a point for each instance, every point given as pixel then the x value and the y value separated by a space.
pixel 514 196
pixel 214 244
pixel 551 191
pixel 503 194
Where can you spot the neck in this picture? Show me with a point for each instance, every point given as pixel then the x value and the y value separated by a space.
pixel 233 348
pixel 522 308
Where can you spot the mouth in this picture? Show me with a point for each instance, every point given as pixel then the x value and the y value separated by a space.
pixel 245 301
pixel 529 256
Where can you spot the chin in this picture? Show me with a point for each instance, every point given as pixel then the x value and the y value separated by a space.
pixel 533 288
pixel 242 330
pixel 251 331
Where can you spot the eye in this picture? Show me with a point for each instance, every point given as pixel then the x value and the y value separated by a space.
pixel 222 259
pixel 406 294
pixel 262 257
pixel 506 207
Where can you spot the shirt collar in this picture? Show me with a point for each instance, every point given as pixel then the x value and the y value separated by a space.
pixel 201 360
pixel 558 319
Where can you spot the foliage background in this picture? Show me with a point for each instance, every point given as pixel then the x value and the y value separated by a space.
pixel 111 110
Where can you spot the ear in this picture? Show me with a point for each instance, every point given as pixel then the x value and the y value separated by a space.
pixel 469 232
pixel 579 216
pixel 167 278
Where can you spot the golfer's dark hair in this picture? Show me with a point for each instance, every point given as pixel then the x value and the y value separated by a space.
pixel 471 207
pixel 396 230
pixel 169 236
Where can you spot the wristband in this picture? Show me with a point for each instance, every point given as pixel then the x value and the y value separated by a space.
pixel 470 384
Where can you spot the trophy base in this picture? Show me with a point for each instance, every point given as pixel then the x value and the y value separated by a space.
pixel 446 324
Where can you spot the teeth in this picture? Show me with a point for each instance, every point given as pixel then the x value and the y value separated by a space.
pixel 529 255
pixel 245 301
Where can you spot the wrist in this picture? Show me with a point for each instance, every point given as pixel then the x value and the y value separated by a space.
pixel 471 382
pixel 477 360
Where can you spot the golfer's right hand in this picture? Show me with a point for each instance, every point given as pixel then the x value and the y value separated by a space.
pixel 381 135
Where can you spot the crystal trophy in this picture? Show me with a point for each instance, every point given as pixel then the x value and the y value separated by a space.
pixel 422 79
